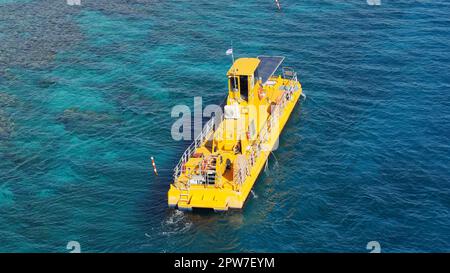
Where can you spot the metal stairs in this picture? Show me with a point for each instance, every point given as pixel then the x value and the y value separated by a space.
pixel 184 195
pixel 210 177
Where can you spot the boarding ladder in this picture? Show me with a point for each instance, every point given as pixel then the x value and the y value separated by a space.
pixel 184 193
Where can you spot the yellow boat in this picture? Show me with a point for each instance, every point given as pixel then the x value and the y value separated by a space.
pixel 220 167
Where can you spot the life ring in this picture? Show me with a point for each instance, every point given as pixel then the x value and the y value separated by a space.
pixel 261 93
pixel 204 164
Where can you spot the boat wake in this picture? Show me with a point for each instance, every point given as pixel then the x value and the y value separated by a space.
pixel 254 194
pixel 175 223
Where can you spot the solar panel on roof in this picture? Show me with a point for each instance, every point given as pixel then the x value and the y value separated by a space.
pixel 268 66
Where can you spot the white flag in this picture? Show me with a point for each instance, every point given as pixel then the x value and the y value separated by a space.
pixel 229 51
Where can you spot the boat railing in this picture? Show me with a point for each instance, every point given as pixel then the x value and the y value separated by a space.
pixel 198 141
pixel 289 73
pixel 270 123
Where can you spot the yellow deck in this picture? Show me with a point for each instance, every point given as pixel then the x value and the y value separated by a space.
pixel 228 193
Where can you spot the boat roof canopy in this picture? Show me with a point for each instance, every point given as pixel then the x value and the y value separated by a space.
pixel 262 67
pixel 268 66
pixel 244 66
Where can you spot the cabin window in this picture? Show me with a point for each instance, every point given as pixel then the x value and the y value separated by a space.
pixel 233 83
pixel 244 86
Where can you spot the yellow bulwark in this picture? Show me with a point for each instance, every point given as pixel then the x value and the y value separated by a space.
pixel 220 167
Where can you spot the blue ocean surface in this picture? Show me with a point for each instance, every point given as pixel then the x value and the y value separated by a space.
pixel 86 94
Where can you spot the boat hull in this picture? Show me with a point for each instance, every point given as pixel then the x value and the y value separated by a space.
pixel 220 199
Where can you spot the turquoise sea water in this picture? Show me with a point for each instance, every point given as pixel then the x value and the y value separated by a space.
pixel 85 99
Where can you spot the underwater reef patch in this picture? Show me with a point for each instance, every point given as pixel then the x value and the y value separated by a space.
pixel 6 197
pixel 7 100
pixel 137 8
pixel 47 82
pixel 89 122
pixel 6 125
pixel 31 41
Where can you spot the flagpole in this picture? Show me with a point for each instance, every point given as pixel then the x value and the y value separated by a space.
pixel 232 52
pixel 234 68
